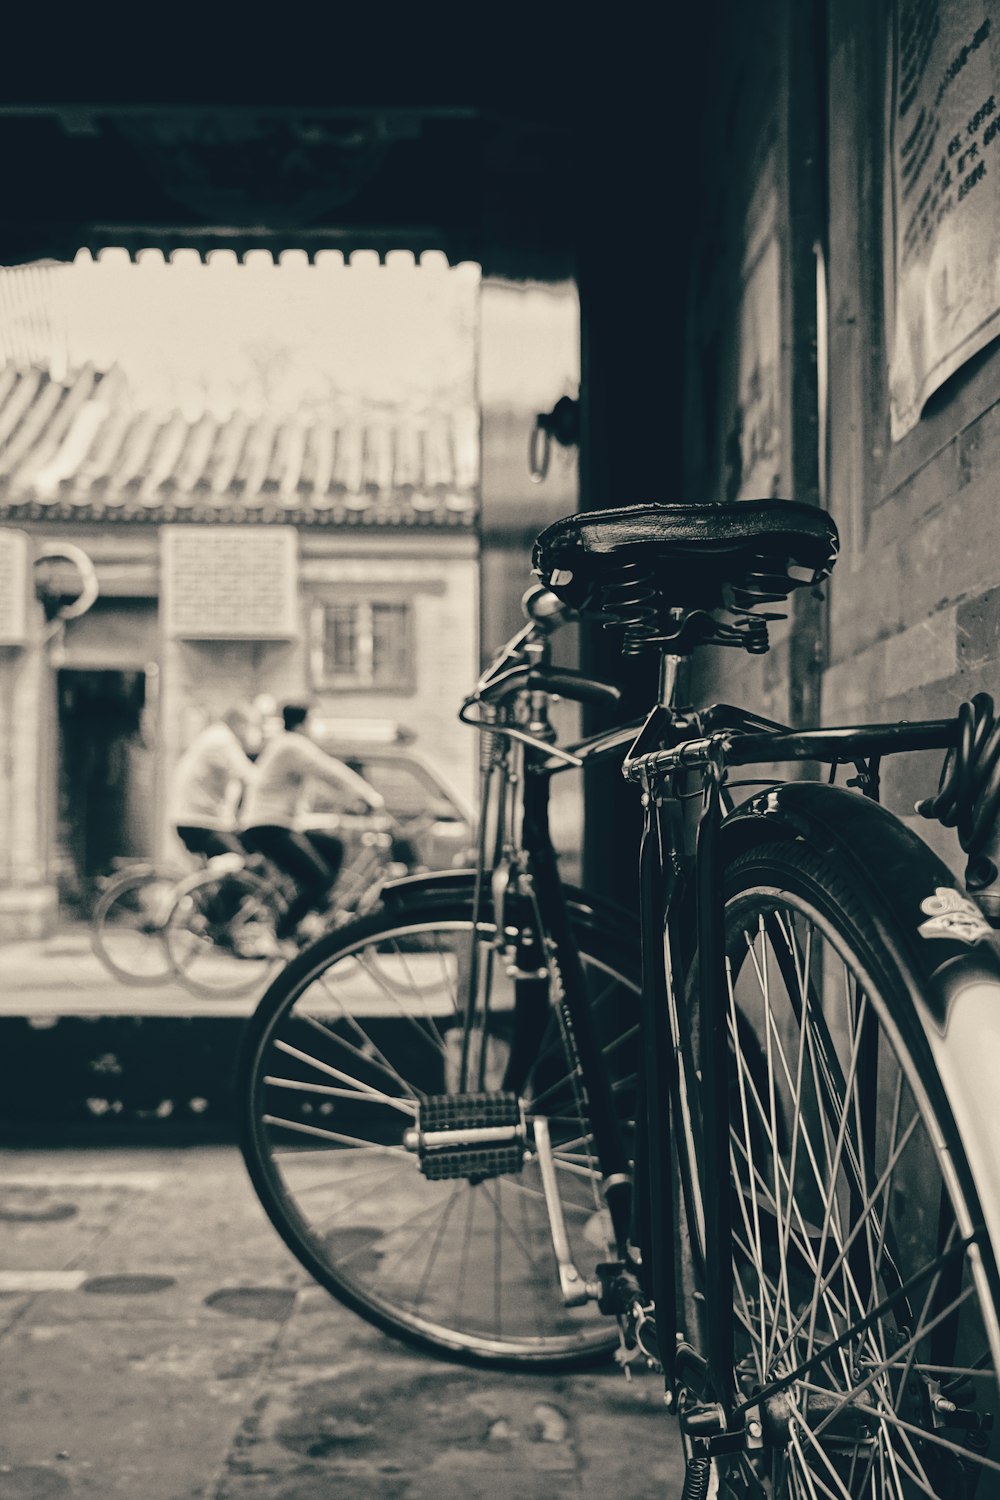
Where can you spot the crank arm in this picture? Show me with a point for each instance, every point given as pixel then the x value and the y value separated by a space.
pixel 571 1283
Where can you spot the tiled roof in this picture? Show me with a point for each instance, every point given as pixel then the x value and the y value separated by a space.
pixel 78 449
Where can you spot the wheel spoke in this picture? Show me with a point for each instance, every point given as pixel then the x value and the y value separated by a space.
pixel 359 1086
pixel 326 1091
pixel 368 1050
pixel 856 1278
pixel 883 1367
pixel 337 1138
pixel 928 1435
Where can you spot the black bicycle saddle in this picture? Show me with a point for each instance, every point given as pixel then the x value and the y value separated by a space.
pixel 740 554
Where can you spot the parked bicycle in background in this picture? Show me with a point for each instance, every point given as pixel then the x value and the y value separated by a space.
pixel 222 928
pixel 214 928
pixel 444 995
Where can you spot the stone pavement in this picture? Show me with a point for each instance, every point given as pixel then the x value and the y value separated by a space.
pixel 157 1342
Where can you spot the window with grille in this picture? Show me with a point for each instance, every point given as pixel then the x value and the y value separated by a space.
pixel 363 643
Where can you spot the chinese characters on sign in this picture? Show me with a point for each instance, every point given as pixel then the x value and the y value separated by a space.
pixel 230 582
pixel 944 162
pixel 14 565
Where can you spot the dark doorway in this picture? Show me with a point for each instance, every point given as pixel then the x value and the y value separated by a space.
pixel 105 777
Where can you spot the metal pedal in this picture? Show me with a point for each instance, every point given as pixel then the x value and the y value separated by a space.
pixel 475 1136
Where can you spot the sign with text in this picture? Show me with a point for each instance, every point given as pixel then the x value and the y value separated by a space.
pixel 15 557
pixel 944 186
pixel 230 582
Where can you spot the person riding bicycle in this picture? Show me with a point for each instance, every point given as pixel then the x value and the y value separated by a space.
pixel 274 805
pixel 209 780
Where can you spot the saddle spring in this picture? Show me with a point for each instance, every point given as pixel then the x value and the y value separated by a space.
pixel 764 582
pixel 748 630
pixel 630 599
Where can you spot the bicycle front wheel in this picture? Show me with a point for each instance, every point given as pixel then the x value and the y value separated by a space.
pixel 220 935
pixel 353 1045
pixel 864 1311
pixel 128 927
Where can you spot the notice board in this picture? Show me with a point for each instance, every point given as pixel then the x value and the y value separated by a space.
pixel 230 582
pixel 943 195
pixel 15 564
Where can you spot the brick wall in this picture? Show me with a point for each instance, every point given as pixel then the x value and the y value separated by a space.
pixel 750 369
pixel 912 620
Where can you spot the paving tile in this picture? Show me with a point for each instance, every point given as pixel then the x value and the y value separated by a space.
pixel 140 1409
pixel 203 1364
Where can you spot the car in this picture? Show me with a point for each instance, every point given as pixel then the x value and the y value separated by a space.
pixel 436 824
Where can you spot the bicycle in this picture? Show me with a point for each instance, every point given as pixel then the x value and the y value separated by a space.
pixel 805 1241
pixel 819 1017
pixel 445 995
pixel 128 918
pixel 214 928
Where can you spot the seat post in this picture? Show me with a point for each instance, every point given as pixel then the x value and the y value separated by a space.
pixel 669 666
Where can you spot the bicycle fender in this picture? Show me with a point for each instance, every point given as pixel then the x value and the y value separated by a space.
pixel 432 883
pixel 944 949
pixel 444 885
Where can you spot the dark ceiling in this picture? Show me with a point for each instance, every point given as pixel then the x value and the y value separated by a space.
pixel 499 187
pixel 560 130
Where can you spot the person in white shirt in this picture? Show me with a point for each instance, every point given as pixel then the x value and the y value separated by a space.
pixel 276 800
pixel 209 780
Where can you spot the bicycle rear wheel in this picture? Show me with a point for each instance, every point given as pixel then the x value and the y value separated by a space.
pixel 128 927
pixel 357 1037
pixel 864 1281
pixel 220 935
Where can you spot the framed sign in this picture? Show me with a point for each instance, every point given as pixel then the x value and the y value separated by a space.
pixel 943 198
pixel 230 582
pixel 15 568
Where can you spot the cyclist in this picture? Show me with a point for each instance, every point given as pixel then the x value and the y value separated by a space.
pixel 209 780
pixel 276 801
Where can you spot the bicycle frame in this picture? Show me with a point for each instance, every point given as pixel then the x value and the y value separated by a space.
pixel 525 869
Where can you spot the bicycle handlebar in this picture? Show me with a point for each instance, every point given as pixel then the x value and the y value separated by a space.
pixel 561 680
pixel 576 685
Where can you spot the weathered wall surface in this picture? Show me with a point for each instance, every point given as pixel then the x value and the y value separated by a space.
pixel 751 405
pixel 913 610
pixel 914 623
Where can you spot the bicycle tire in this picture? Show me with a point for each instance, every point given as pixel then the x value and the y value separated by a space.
pixel 127 927
pixel 856 1225
pixel 477 1282
pixel 220 934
